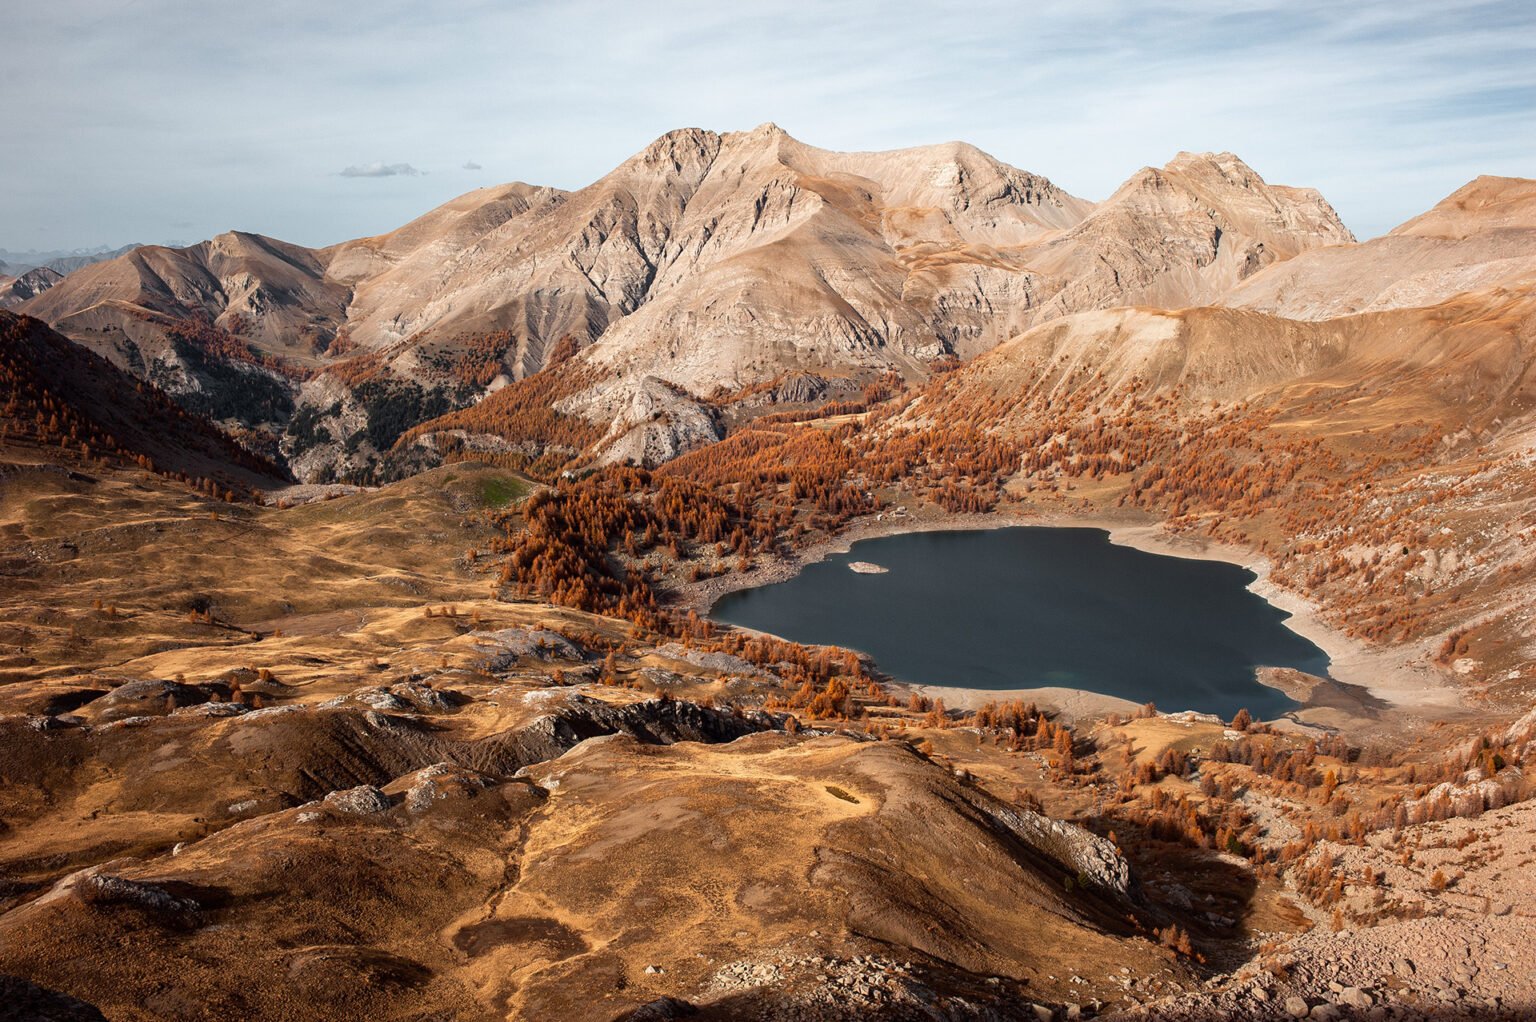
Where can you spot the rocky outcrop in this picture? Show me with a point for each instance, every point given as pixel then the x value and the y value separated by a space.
pixel 106 891
pixel 363 800
pixel 504 647
pixel 1097 863
pixel 720 663
pixel 142 697
pixel 440 782
pixel 653 421
pixel 656 722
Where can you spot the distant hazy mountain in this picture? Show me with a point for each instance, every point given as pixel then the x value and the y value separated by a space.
pixel 59 260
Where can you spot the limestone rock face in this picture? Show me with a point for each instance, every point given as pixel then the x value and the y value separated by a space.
pixel 1098 862
pixel 653 421
pixel 849 262
pixel 108 892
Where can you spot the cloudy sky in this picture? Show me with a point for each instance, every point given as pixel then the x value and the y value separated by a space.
pixel 150 120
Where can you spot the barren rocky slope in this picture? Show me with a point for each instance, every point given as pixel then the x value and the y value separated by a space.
pixel 1480 237
pixel 270 292
pixel 227 327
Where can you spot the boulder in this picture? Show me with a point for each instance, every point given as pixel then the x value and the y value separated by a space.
pixel 363 800
pixel 1354 997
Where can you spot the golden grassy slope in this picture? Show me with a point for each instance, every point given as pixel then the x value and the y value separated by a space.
pixel 161 811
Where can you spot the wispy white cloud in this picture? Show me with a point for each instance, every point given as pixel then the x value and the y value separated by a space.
pixel 472 165
pixel 1385 106
pixel 381 170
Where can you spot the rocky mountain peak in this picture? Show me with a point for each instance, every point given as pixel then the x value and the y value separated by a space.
pixel 1223 188
pixel 765 145
pixel 1228 165
pixel 767 136
pixel 686 151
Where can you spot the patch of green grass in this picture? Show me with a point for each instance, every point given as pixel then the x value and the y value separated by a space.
pixel 837 792
pixel 499 491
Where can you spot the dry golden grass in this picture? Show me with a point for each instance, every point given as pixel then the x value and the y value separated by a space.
pixel 536 896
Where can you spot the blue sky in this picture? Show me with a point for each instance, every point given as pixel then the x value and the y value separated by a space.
pixel 147 120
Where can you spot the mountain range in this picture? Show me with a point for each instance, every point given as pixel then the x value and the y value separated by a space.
pixel 704 266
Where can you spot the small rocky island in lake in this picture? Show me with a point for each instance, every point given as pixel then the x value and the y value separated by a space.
pixel 866 568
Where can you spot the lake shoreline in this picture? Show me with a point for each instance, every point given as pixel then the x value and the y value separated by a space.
pixel 1397 678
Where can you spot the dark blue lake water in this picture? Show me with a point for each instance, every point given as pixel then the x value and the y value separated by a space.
pixel 1026 607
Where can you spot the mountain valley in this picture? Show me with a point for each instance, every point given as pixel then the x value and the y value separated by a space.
pixel 356 658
